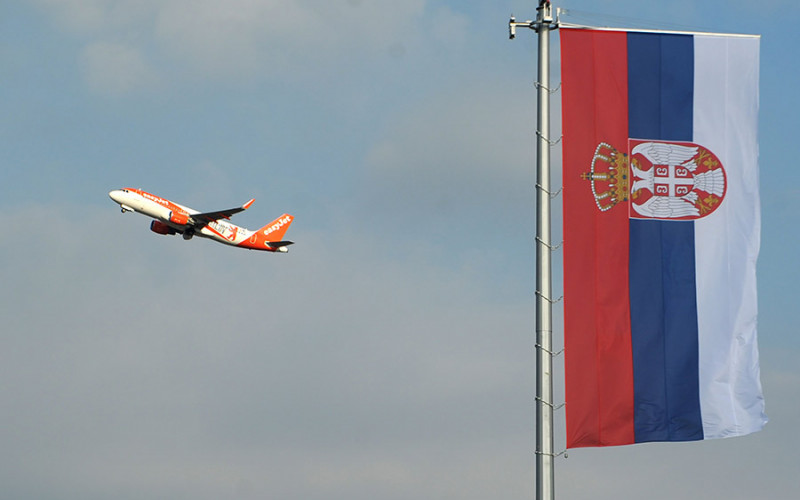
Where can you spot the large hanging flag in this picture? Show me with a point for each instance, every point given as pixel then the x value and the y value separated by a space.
pixel 661 236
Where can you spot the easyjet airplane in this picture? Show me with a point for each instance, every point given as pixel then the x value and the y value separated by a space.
pixel 171 218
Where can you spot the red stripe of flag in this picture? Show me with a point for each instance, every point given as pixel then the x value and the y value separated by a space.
pixel 599 367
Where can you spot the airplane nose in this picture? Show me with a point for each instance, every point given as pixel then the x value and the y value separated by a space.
pixel 115 195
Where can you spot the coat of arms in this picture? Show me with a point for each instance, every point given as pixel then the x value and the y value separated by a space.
pixel 662 180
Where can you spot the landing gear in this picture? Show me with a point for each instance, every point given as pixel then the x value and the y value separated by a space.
pixel 187 234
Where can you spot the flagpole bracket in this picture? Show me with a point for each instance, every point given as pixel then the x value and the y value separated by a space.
pixel 549 247
pixel 548 351
pixel 553 455
pixel 540 294
pixel 538 85
pixel 551 405
pixel 513 25
pixel 548 141
pixel 552 194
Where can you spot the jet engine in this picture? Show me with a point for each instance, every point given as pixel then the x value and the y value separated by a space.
pixel 178 218
pixel 159 227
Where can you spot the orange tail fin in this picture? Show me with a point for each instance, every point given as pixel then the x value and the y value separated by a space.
pixel 270 237
pixel 275 230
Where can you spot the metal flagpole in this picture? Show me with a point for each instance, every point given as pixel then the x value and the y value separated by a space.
pixel 545 474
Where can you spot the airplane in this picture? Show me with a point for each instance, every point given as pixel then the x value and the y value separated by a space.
pixel 172 218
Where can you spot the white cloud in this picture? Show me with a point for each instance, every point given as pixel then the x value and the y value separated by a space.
pixel 116 69
pixel 91 18
pixel 273 36
pixel 466 148
pixel 239 39
pixel 140 364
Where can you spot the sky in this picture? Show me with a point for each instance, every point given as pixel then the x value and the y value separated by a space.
pixel 390 353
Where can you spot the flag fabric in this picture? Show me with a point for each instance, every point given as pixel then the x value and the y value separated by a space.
pixel 661 236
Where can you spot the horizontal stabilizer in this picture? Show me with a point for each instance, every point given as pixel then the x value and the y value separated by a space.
pixel 278 244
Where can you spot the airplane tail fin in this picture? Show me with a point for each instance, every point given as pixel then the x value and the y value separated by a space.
pixel 270 237
pixel 275 230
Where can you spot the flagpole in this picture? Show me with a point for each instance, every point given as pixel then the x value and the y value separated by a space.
pixel 545 474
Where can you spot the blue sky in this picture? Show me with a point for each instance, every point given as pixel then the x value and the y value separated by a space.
pixel 390 353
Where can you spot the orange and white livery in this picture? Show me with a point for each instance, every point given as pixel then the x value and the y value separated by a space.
pixel 172 218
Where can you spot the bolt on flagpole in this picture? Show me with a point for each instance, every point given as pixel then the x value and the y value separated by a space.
pixel 545 474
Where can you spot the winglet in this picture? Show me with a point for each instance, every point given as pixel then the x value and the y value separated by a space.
pixel 247 205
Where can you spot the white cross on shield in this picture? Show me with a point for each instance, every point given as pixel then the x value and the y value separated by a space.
pixel 672 180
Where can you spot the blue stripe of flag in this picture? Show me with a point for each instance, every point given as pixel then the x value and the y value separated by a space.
pixel 663 293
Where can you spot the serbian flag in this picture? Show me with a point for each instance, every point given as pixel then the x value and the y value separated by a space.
pixel 661 236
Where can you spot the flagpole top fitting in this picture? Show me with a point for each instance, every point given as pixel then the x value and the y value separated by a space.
pixel 513 25
pixel 545 12
pixel 544 19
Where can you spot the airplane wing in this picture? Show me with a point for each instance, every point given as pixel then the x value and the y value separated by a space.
pixel 205 218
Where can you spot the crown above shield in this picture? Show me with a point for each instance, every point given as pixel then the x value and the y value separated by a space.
pixel 608 176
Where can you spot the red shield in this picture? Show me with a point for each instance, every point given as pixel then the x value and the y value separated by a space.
pixel 674 180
